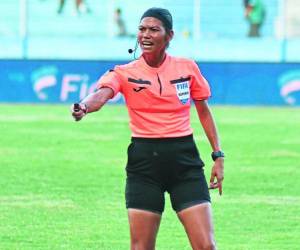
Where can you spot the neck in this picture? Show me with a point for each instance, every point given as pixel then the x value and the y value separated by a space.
pixel 155 60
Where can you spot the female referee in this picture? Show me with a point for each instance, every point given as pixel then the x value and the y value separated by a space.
pixel 162 155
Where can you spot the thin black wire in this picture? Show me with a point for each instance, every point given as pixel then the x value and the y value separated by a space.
pixel 135 49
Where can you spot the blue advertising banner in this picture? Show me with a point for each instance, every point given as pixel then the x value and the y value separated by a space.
pixel 253 83
pixel 51 81
pixel 46 81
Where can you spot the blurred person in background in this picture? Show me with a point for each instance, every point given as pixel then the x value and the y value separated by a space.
pixel 120 24
pixel 162 157
pixel 80 5
pixel 246 5
pixel 255 14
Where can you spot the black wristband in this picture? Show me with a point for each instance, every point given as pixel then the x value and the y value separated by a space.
pixel 216 154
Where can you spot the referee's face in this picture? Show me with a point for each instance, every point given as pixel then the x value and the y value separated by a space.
pixel 152 35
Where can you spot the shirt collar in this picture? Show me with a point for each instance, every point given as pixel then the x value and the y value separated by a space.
pixel 143 63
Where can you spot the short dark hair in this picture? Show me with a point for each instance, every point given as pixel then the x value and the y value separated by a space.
pixel 161 14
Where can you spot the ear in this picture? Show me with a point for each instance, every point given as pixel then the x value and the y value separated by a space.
pixel 169 36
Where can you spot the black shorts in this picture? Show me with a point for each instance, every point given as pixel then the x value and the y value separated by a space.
pixel 165 164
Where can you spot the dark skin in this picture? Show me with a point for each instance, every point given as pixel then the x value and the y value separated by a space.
pixel 152 37
pixel 196 220
pixel 208 124
pixel 152 32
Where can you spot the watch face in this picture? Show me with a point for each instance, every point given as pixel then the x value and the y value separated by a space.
pixel 220 154
pixel 217 154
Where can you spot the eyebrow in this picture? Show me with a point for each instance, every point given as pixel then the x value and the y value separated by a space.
pixel 150 27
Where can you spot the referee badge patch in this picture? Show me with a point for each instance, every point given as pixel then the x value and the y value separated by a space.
pixel 183 91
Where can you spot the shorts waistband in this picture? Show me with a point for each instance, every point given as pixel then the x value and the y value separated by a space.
pixel 168 139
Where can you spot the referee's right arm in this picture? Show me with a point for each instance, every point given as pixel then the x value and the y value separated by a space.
pixel 93 102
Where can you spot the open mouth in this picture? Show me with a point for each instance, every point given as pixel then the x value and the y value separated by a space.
pixel 147 45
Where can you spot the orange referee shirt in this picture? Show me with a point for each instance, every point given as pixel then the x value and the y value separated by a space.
pixel 158 99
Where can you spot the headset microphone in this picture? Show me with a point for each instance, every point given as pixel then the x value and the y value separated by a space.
pixel 130 51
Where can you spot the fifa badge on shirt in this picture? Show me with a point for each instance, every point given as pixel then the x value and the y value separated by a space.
pixel 183 91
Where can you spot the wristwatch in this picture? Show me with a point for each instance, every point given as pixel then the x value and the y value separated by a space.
pixel 84 108
pixel 216 154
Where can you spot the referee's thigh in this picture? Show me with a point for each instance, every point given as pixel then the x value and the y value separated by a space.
pixel 188 186
pixel 197 221
pixel 143 188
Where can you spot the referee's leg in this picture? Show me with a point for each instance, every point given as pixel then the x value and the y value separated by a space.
pixel 197 221
pixel 144 226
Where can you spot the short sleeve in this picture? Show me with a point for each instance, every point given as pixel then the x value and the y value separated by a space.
pixel 200 89
pixel 110 80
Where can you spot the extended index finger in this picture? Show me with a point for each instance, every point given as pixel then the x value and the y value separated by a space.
pixel 220 187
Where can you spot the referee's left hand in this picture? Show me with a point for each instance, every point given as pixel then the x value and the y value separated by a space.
pixel 217 173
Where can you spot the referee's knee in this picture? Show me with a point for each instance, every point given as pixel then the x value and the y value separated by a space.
pixel 204 245
pixel 140 245
pixel 209 245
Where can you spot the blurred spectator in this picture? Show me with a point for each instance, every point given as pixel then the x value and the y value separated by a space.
pixel 255 13
pixel 246 3
pixel 81 6
pixel 120 23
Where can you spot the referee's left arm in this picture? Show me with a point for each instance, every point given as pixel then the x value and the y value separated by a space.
pixel 210 130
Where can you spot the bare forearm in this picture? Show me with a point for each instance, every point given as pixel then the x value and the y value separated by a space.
pixel 211 131
pixel 96 100
pixel 208 125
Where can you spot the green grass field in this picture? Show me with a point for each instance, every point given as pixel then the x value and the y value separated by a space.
pixel 62 182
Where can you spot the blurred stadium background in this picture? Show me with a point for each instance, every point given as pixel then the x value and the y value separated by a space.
pixel 214 30
pixel 57 57
pixel 62 183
